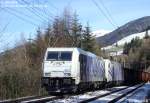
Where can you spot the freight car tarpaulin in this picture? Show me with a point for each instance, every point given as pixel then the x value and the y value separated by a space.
pixel 95 69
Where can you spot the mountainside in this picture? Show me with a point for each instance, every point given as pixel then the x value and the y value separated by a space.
pixel 128 39
pixel 101 32
pixel 120 43
pixel 135 26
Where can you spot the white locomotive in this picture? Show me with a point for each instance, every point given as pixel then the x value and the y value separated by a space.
pixel 72 69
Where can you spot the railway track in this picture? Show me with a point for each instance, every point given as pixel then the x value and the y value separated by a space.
pixel 99 96
pixel 17 100
pixel 95 96
pixel 113 96
pixel 30 99
pixel 42 100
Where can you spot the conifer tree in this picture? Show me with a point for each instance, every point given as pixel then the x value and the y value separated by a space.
pixel 146 35
pixel 76 31
pixel 49 36
pixel 89 41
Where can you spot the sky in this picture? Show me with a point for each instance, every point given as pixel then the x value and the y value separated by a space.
pixel 21 18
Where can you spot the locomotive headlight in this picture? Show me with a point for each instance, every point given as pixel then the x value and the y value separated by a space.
pixel 67 74
pixel 47 74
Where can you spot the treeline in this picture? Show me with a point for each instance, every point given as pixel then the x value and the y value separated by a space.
pixel 138 52
pixel 20 67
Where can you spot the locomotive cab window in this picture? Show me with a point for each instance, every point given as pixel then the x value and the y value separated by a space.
pixel 66 56
pixel 52 56
pixel 59 56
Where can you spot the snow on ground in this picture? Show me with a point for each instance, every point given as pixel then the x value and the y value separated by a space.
pixel 119 52
pixel 85 96
pixel 81 97
pixel 141 95
pixel 112 96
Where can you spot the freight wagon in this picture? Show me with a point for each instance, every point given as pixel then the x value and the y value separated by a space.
pixel 114 73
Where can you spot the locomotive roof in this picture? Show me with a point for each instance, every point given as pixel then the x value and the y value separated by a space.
pixel 72 49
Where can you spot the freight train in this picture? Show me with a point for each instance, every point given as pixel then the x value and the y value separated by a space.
pixel 73 69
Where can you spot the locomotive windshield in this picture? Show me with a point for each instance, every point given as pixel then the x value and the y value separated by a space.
pixel 59 56
pixel 66 56
pixel 52 56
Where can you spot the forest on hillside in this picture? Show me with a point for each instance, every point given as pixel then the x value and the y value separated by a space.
pixel 137 53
